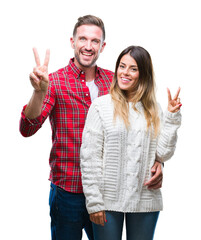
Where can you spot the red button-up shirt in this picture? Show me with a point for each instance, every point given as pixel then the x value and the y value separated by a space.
pixel 66 103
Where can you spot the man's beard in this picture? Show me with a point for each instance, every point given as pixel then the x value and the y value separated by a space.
pixel 85 65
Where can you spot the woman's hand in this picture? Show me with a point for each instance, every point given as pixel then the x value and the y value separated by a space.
pixel 174 104
pixel 98 218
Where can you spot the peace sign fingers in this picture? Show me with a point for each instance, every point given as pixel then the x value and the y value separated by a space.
pixel 47 58
pixel 174 104
pixel 169 95
pixel 177 94
pixel 39 77
pixel 37 59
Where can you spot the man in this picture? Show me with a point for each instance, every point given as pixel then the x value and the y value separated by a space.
pixel 65 96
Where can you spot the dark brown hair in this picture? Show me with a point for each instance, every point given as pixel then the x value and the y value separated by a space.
pixel 143 91
pixel 89 20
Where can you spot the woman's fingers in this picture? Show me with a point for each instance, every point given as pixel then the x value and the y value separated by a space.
pixel 177 94
pixel 176 108
pixel 169 95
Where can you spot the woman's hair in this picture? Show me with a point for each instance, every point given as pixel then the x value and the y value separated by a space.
pixel 144 90
pixel 89 20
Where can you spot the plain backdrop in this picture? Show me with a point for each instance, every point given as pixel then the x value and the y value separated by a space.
pixel 169 30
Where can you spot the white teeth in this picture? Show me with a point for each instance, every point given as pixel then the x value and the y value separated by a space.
pixel 87 54
pixel 125 79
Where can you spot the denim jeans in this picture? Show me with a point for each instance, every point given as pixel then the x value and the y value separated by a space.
pixel 68 215
pixel 139 226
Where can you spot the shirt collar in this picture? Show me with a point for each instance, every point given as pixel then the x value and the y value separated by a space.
pixel 76 71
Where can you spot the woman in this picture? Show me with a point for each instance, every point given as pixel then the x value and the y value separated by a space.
pixel 124 134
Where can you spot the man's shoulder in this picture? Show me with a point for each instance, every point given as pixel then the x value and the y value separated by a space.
pixel 105 72
pixel 62 71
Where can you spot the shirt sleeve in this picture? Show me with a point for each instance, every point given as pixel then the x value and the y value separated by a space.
pixel 91 160
pixel 28 127
pixel 170 122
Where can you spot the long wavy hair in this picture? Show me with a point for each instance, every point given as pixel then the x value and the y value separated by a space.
pixel 143 91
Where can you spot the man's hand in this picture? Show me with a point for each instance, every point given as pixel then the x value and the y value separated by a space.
pixel 98 218
pixel 39 77
pixel 40 81
pixel 155 181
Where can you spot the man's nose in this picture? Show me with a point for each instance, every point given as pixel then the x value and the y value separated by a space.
pixel 88 45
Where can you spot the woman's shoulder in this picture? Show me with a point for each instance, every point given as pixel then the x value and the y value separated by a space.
pixel 102 100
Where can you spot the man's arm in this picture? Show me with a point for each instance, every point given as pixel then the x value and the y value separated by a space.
pixel 156 180
pixel 31 117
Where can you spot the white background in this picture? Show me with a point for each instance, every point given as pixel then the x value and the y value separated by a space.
pixel 169 30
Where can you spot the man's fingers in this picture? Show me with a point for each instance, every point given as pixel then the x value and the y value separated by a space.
pixel 154 183
pixel 47 58
pixel 36 56
pixel 155 179
pixel 156 186
pixel 98 218
pixel 33 77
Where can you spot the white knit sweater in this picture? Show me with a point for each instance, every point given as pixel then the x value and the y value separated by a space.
pixel 115 162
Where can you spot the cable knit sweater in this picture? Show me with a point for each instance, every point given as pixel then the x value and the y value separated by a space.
pixel 115 162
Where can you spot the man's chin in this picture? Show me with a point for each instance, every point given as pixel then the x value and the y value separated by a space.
pixel 87 64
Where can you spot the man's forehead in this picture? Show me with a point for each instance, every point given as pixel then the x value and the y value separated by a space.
pixel 91 30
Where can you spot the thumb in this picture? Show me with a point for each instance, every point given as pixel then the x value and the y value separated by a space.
pixel 153 169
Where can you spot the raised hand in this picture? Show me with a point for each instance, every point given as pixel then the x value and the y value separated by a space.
pixel 39 77
pixel 174 104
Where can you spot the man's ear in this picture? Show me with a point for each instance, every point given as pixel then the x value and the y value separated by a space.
pixel 72 42
pixel 103 46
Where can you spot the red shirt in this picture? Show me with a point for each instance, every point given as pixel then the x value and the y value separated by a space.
pixel 66 103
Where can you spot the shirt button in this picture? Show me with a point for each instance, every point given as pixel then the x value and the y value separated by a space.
pixel 87 94
pixel 82 80
pixel 82 72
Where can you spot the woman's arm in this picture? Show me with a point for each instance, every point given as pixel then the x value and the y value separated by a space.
pixel 91 160
pixel 170 122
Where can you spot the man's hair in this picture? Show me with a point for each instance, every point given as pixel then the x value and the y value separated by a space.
pixel 89 20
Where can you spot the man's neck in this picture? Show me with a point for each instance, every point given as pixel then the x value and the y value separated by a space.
pixel 90 72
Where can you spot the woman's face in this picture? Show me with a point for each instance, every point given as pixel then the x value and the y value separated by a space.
pixel 127 73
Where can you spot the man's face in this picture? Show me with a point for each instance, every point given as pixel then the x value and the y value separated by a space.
pixel 87 44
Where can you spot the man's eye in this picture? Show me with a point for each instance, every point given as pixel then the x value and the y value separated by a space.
pixel 96 41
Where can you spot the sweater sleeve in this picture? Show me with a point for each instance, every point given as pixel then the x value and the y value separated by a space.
pixel 91 160
pixel 170 122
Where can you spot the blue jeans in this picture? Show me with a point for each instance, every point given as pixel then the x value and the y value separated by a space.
pixel 68 215
pixel 139 226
